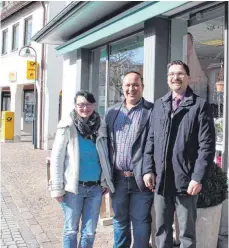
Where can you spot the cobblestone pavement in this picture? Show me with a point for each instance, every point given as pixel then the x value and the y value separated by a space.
pixel 29 217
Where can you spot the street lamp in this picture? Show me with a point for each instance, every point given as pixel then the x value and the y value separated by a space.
pixel 27 53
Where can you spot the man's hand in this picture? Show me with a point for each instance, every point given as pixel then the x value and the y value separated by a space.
pixel 194 188
pixel 149 180
pixel 104 191
pixel 59 198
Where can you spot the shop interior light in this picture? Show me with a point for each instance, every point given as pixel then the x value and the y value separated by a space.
pixel 213 42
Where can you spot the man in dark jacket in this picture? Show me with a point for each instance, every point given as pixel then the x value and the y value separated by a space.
pixel 127 128
pixel 178 155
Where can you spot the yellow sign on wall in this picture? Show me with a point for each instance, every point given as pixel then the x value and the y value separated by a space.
pixel 12 76
pixel 30 72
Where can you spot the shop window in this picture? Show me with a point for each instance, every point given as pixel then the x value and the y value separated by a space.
pixel 125 55
pixel 28 106
pixel 15 37
pixel 109 64
pixel 5 105
pixel 197 38
pixel 4 41
pixel 28 31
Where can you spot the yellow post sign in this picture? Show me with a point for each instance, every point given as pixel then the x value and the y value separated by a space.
pixel 7 125
pixel 30 72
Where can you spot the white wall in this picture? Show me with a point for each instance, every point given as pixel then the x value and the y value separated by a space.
pixel 70 83
pixel 53 66
pixel 52 82
pixel 11 62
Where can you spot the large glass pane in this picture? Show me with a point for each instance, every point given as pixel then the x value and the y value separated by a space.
pixel 201 46
pixel 28 106
pixel 15 37
pixel 28 31
pixel 98 77
pixel 125 55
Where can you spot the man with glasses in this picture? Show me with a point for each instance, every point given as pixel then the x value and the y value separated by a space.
pixel 178 155
pixel 127 126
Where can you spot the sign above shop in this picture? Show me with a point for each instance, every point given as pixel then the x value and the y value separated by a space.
pixel 12 76
pixel 31 70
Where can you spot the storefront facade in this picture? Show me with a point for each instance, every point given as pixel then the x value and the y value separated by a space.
pixel 145 37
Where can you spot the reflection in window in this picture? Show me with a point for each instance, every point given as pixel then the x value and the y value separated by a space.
pixel 5 105
pixel 125 55
pixel 108 69
pixel 28 106
pixel 4 41
pixel 28 30
pixel 15 36
pixel 202 48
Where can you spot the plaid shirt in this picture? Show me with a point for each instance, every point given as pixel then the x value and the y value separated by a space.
pixel 125 128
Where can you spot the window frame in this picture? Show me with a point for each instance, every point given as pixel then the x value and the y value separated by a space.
pixel 14 28
pixel 26 21
pixel 4 41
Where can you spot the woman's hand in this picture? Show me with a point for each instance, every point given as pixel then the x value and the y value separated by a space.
pixel 59 198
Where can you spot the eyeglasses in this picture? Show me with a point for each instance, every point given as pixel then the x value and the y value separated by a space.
pixel 178 74
pixel 83 105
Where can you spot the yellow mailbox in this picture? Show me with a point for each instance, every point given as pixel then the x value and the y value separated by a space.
pixel 7 125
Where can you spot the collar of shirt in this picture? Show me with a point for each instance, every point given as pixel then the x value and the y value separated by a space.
pixel 181 97
pixel 138 105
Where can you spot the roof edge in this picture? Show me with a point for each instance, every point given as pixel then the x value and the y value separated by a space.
pixel 69 10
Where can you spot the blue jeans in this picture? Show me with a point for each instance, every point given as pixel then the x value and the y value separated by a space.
pixel 86 205
pixel 131 205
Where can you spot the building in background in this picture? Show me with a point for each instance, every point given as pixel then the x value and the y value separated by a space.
pixel 100 40
pixel 20 20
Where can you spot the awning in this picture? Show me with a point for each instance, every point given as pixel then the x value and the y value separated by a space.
pixel 127 19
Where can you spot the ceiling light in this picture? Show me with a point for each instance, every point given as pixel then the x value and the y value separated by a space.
pixel 213 42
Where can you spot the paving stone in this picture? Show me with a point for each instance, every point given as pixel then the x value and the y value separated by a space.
pixel 31 222
pixel 8 236
pixel 10 243
pixel 27 215
pixel 42 237
pixel 19 181
pixel 32 246
pixel 46 245
pixel 22 245
pixel 36 229
pixel 23 209
pixel 20 241
pixel 11 205
pixel 8 240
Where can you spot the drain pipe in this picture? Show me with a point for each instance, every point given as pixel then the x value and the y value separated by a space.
pixel 42 79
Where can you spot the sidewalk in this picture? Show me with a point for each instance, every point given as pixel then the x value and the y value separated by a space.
pixel 29 217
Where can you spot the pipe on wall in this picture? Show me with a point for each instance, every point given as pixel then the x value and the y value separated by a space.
pixel 42 79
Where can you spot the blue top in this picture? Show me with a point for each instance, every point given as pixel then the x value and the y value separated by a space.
pixel 90 168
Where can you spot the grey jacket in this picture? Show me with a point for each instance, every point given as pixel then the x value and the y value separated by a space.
pixel 139 143
pixel 64 169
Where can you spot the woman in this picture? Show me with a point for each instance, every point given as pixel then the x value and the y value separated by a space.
pixel 79 168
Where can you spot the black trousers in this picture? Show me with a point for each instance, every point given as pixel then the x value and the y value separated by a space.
pixel 185 206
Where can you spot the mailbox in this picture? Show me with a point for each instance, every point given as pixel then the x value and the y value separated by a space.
pixel 7 125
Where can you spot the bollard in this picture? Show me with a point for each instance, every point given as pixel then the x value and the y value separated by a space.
pixel 48 170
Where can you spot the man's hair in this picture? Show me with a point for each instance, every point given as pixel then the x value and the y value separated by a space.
pixel 136 72
pixel 179 62
pixel 89 96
